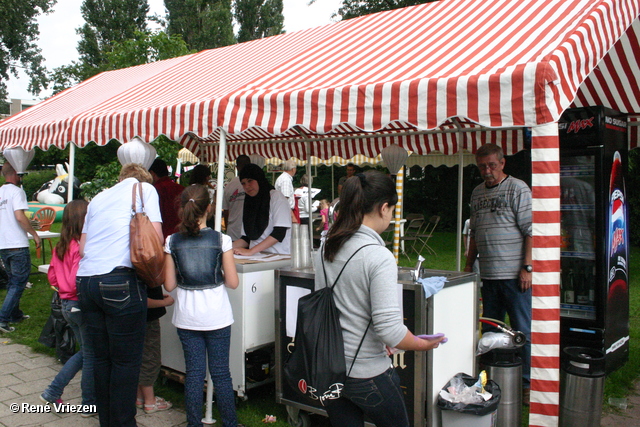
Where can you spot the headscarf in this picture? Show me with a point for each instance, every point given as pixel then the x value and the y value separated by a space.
pixel 255 216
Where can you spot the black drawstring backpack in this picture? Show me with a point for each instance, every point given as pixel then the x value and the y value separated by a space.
pixel 316 367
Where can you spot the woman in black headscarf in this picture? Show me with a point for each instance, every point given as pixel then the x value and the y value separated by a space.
pixel 266 219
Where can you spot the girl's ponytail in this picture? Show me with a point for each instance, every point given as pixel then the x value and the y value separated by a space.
pixel 361 194
pixel 193 205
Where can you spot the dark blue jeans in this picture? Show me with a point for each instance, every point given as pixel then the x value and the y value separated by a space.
pixel 18 264
pixel 200 347
pixel 501 297
pixel 81 360
pixel 379 399
pixel 114 306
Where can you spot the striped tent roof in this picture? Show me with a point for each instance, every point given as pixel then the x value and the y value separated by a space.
pixel 488 63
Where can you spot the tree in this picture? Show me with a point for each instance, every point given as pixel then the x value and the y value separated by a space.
pixel 107 22
pixel 18 34
pixel 143 48
pixel 203 24
pixel 258 19
pixel 354 8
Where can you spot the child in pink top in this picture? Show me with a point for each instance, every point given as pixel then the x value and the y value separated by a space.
pixel 324 214
pixel 62 276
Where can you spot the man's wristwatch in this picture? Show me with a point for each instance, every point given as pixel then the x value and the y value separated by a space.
pixel 528 268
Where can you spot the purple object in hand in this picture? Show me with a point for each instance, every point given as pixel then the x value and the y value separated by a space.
pixel 431 337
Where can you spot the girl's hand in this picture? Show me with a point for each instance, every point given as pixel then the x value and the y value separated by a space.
pixel 168 300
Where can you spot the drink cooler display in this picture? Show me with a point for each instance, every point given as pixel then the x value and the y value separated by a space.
pixel 594 301
pixel 453 311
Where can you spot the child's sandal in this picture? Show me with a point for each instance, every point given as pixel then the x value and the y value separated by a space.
pixel 160 405
pixel 139 403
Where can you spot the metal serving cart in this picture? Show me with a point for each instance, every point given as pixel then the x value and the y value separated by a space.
pixel 453 311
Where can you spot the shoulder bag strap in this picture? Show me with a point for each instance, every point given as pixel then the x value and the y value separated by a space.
pixel 334 284
pixel 137 185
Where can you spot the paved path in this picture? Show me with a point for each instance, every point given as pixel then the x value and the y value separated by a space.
pixel 629 417
pixel 25 374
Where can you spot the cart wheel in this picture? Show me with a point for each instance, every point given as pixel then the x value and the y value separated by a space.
pixel 303 420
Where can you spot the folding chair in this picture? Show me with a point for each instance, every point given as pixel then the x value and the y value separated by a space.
pixel 427 232
pixel 44 218
pixel 411 231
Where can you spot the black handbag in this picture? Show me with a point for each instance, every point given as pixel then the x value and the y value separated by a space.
pixel 316 367
pixel 57 333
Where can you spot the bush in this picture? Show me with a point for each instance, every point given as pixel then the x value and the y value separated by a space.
pixel 32 181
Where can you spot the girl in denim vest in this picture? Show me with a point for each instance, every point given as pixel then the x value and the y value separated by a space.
pixel 200 264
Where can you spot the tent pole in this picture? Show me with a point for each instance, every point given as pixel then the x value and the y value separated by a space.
pixel 222 155
pixel 71 171
pixel 460 195
pixel 208 417
pixel 309 195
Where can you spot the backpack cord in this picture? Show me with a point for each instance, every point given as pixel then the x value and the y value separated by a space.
pixel 334 284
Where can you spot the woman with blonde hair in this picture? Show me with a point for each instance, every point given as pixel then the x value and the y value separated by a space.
pixel 112 298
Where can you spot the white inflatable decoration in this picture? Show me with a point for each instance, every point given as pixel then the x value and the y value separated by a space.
pixel 18 158
pixel 137 151
pixel 54 192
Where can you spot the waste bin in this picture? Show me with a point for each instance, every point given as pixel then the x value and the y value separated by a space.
pixel 581 387
pixel 504 366
pixel 460 414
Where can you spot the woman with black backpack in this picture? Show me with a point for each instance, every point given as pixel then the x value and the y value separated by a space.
pixel 367 297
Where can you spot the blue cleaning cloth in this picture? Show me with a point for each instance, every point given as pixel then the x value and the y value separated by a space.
pixel 432 285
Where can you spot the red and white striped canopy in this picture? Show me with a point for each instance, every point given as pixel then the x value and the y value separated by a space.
pixel 486 63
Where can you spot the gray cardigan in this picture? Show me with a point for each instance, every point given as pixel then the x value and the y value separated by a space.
pixel 367 288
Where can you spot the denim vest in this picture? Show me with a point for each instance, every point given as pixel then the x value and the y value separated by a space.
pixel 198 259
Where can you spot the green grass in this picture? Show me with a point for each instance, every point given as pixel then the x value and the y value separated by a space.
pixel 36 300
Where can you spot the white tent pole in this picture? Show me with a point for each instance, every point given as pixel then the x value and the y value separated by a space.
pixel 71 171
pixel 460 195
pixel 222 155
pixel 309 195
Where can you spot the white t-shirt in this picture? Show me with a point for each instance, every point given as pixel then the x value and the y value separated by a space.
pixel 12 198
pixel 284 184
pixel 203 309
pixel 107 226
pixel 279 216
pixel 233 201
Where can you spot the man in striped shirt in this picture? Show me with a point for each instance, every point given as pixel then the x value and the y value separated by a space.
pixel 501 236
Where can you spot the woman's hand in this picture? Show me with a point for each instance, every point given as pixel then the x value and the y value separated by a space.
pixel 243 251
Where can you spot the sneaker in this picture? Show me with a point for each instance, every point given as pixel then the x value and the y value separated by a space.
pixel 24 317
pixel 88 414
pixel 6 328
pixel 50 402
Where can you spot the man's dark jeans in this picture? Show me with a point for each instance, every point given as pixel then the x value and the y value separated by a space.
pixel 18 265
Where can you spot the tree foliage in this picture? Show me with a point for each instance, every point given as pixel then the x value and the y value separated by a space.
pixel 354 8
pixel 107 22
pixel 258 19
pixel 203 24
pixel 143 48
pixel 18 34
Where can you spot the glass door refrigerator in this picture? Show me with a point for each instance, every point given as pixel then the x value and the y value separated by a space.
pixel 594 301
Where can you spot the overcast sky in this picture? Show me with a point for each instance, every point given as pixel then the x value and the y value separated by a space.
pixel 58 38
